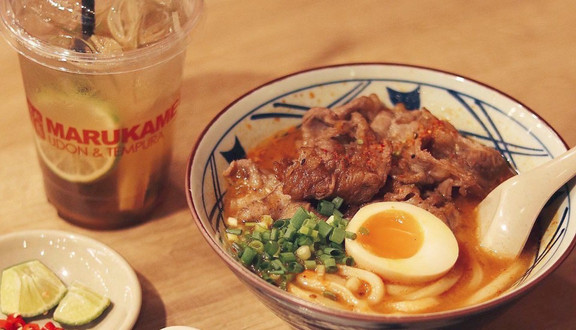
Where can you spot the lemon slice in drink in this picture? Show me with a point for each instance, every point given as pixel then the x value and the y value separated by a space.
pixel 80 305
pixel 30 289
pixel 73 126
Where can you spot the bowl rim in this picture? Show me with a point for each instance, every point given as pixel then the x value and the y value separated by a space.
pixel 281 295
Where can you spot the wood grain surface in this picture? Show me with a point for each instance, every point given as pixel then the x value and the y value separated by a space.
pixel 526 49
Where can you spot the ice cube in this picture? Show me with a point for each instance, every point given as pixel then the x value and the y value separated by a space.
pixel 104 45
pixel 29 21
pixel 129 24
pixel 139 23
pixel 102 7
pixel 169 4
pixel 157 23
pixel 64 15
pixel 124 20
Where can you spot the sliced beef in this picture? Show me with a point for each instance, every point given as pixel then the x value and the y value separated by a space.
pixel 431 152
pixel 365 152
pixel 433 164
pixel 252 194
pixel 340 155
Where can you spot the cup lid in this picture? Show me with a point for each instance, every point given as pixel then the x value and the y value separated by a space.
pixel 48 32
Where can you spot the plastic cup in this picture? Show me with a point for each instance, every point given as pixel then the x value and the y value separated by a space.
pixel 103 103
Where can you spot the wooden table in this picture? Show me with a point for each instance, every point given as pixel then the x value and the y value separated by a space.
pixel 525 48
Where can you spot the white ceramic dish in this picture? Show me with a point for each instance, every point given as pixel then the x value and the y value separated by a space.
pixel 76 257
pixel 476 110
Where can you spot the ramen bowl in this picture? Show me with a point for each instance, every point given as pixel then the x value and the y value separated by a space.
pixel 476 110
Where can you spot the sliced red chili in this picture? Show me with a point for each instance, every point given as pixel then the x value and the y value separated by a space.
pixel 6 325
pixel 16 319
pixel 51 326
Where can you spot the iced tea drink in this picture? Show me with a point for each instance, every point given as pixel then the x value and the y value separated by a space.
pixel 102 103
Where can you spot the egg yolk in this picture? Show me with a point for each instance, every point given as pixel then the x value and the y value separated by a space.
pixel 391 234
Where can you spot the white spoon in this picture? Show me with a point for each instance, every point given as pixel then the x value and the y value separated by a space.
pixel 507 214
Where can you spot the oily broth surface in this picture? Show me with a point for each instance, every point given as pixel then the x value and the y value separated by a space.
pixel 478 268
pixel 275 150
pixel 269 155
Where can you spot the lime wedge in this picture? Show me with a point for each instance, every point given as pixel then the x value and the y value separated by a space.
pixel 80 305
pixel 72 147
pixel 30 289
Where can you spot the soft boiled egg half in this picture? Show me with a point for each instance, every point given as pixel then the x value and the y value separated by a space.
pixel 401 242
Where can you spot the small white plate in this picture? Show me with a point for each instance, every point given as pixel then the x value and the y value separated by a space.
pixel 76 257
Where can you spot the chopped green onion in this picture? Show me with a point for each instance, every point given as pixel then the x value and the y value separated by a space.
pixel 330 221
pixel 274 234
pixel 314 234
pixel 338 201
pixel 260 227
pixel 363 231
pixel 350 235
pixel 257 235
pixel 334 252
pixel 304 240
pixel 266 235
pixel 305 231
pixel 278 250
pixel 304 252
pixel 298 218
pixel 295 267
pixel 323 257
pixel 266 220
pixel 234 231
pixel 276 264
pixel 264 265
pixel 324 229
pixel 279 223
pixel 341 221
pixel 348 261
pixel 310 264
pixel 336 245
pixel 287 257
pixel 271 247
pixel 310 223
pixel 248 255
pixel 290 231
pixel 287 246
pixel 338 235
pixel 257 245
pixel 325 208
pixel 330 264
pixel 336 219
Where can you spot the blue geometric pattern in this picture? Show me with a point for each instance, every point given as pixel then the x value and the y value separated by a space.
pixel 478 111
pixel 411 100
pixel 237 152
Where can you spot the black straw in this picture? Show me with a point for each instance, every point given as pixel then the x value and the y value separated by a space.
pixel 88 20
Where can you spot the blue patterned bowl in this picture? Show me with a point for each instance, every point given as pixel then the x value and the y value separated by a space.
pixel 476 110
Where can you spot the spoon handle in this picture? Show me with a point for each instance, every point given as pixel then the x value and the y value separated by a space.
pixel 553 174
pixel 538 185
pixel 508 213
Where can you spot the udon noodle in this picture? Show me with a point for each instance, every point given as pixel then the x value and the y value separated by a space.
pixel 404 156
